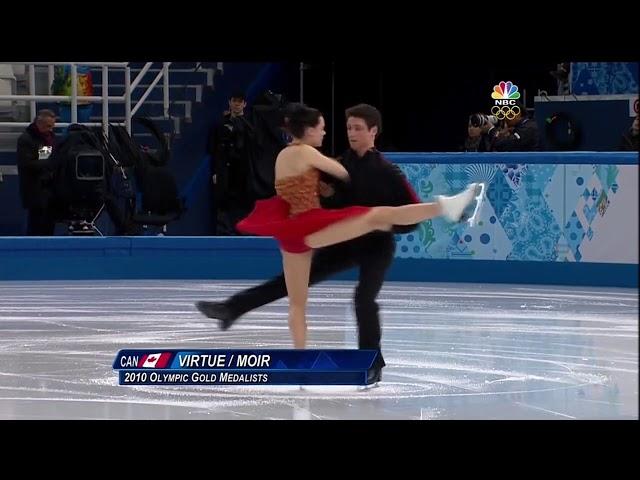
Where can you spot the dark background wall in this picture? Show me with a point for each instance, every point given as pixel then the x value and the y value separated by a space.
pixel 423 110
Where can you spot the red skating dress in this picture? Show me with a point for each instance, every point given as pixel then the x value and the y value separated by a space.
pixel 294 212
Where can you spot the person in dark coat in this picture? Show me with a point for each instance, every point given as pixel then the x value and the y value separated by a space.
pixel 35 146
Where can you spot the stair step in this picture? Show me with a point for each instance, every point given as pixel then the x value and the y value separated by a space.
pixel 178 108
pixel 177 92
pixel 178 76
pixel 164 124
pixel 184 65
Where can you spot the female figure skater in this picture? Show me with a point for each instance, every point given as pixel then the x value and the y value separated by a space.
pixel 294 216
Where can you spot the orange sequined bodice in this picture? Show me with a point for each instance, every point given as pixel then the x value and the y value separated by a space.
pixel 300 191
pixel 295 213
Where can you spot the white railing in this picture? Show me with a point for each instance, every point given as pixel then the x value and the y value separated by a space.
pixel 105 98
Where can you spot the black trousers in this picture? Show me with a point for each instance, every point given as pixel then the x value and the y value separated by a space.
pixel 228 216
pixel 373 254
pixel 40 222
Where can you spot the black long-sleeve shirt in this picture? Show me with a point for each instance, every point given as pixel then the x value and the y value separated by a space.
pixel 34 172
pixel 523 138
pixel 374 181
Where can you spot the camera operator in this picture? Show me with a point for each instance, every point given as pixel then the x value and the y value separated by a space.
pixel 519 134
pixel 35 146
pixel 478 139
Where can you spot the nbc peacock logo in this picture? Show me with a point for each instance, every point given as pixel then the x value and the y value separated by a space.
pixel 505 95
pixel 505 91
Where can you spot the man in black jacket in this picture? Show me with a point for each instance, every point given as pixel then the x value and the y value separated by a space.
pixel 229 147
pixel 520 134
pixel 374 181
pixel 35 146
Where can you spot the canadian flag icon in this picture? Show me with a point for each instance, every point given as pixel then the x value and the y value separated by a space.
pixel 155 360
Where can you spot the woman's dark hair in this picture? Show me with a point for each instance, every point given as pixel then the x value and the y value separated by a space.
pixel 298 117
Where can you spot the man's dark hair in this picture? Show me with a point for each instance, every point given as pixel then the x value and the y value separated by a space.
pixel 370 115
pixel 238 94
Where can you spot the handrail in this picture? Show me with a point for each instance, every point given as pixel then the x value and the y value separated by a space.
pixel 74 93
pixel 141 74
pixel 127 98
pixel 32 89
pixel 44 98
pixel 86 64
pixel 105 98
pixel 147 92
pixel 58 124
pixel 105 101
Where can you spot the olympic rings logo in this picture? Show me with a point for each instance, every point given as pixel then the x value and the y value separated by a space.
pixel 505 112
